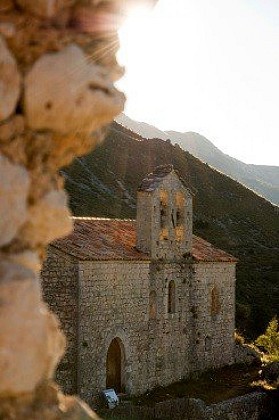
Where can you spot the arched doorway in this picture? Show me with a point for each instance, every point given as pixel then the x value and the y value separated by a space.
pixel 115 365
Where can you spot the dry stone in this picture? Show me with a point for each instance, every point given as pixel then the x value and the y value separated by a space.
pixel 30 342
pixel 66 93
pixel 13 195
pixel 7 29
pixel 12 127
pixel 9 82
pixel 6 5
pixel 46 403
pixel 49 218
pixel 56 342
pixel 68 100
pixel 28 259
pixel 244 353
pixel 44 8
pixel 270 373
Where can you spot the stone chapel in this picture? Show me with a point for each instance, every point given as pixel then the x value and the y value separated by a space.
pixel 143 303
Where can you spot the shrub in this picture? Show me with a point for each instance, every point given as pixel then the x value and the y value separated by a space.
pixel 270 340
pixel 238 338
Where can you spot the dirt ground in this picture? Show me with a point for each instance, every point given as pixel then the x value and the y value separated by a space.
pixel 212 386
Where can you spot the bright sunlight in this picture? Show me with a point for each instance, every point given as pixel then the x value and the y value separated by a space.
pixel 209 67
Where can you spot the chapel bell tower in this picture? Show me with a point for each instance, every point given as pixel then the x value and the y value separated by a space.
pixel 164 215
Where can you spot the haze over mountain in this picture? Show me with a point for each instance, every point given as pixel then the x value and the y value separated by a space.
pixel 263 179
pixel 145 130
pixel 232 217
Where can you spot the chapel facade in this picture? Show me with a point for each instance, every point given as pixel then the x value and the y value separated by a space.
pixel 143 303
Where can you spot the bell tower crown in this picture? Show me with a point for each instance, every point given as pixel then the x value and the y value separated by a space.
pixel 164 215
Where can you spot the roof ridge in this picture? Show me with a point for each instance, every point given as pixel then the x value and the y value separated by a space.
pixel 108 239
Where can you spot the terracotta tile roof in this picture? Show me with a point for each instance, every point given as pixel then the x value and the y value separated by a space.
pixel 205 251
pixel 115 239
pixel 101 239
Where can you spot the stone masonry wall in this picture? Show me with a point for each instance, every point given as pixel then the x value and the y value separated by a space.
pixel 214 331
pixel 99 301
pixel 114 299
pixel 144 221
pixel 150 235
pixel 171 330
pixel 60 290
pixel 113 303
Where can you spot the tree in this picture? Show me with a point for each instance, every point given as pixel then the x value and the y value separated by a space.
pixel 270 340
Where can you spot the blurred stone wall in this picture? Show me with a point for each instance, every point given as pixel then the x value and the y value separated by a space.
pixel 57 94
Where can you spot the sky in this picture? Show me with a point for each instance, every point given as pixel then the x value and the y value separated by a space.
pixel 209 66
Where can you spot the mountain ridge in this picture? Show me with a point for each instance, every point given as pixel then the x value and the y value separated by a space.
pixel 262 179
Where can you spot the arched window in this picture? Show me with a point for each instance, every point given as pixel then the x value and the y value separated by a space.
pixel 215 301
pixel 171 297
pixel 152 305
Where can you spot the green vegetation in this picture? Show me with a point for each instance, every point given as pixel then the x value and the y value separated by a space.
pixel 232 217
pixel 270 341
pixel 238 338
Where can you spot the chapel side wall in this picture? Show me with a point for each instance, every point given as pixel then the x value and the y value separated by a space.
pixel 114 300
pixel 171 332
pixel 60 289
pixel 214 332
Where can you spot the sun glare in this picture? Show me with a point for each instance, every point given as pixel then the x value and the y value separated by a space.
pixel 141 51
pixel 134 32
pixel 204 66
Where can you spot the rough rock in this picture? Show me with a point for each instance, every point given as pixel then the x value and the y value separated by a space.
pixel 46 403
pixel 56 342
pixel 245 353
pixel 44 8
pixel 48 219
pixel 11 127
pixel 270 372
pixel 30 342
pixel 7 29
pixel 28 259
pixel 66 93
pixel 10 82
pixel 6 5
pixel 13 196
pixel 67 100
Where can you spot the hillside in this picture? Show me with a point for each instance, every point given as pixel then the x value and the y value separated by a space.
pixel 232 217
pixel 145 130
pixel 263 179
